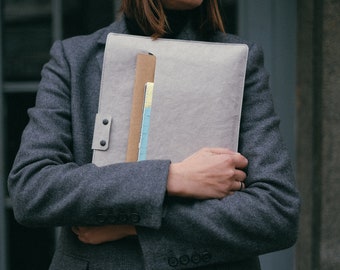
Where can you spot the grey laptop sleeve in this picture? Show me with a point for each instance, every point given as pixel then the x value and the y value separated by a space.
pixel 197 97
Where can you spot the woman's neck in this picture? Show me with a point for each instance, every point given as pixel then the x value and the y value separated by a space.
pixel 177 20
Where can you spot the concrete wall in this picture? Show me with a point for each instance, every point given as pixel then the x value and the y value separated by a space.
pixel 318 134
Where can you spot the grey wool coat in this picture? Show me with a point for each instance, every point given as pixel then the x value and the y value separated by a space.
pixel 53 183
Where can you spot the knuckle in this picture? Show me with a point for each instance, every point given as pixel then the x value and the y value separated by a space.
pixel 230 173
pixel 227 187
pixel 228 159
pixel 244 175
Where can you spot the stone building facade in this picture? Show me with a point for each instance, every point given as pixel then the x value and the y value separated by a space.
pixel 318 134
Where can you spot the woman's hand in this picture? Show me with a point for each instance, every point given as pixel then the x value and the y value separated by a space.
pixel 208 173
pixel 102 234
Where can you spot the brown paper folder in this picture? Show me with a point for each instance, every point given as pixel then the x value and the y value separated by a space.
pixel 145 71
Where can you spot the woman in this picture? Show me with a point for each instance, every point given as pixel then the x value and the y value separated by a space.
pixel 217 209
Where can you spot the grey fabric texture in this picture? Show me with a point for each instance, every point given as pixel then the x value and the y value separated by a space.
pixel 196 103
pixel 53 182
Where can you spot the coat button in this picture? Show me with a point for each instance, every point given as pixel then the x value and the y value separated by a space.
pixel 112 218
pixel 101 218
pixel 102 142
pixel 206 256
pixel 184 259
pixel 123 218
pixel 105 122
pixel 173 262
pixel 135 218
pixel 195 258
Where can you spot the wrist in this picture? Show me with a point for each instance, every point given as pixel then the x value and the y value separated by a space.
pixel 175 177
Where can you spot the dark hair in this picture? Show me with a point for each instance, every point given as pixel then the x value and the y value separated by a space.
pixel 151 17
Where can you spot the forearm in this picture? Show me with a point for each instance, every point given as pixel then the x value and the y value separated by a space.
pixel 237 227
pixel 44 194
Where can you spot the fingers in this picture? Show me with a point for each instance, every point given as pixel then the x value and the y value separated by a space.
pixel 75 229
pixel 239 160
pixel 83 233
pixel 238 186
pixel 239 175
pixel 235 186
pixel 238 179
pixel 100 234
pixel 235 180
pixel 243 186
pixel 218 150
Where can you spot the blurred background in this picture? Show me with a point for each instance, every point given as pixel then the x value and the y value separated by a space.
pixel 299 38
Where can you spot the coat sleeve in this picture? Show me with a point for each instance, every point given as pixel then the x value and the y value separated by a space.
pixel 262 218
pixel 48 187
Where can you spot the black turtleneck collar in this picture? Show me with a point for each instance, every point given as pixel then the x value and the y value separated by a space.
pixel 177 20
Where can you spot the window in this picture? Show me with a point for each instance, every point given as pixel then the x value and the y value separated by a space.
pixel 28 30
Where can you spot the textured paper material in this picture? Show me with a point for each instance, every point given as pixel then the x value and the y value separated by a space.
pixel 145 71
pixel 198 92
pixel 143 144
